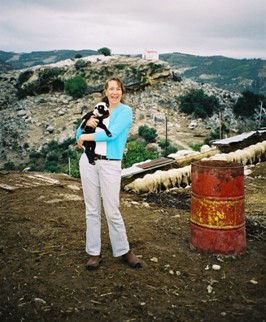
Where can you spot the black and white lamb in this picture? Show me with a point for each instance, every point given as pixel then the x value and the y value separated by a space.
pixel 101 112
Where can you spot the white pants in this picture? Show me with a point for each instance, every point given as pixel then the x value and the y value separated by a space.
pixel 103 180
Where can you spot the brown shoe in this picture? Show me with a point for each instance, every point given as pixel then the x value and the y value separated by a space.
pixel 132 260
pixel 93 262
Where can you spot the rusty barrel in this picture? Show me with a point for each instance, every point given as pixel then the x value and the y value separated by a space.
pixel 217 222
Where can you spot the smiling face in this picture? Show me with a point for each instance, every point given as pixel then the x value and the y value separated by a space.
pixel 114 92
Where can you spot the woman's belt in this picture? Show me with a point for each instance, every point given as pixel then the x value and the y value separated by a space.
pixel 103 157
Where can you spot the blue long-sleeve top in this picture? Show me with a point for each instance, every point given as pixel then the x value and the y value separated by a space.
pixel 119 125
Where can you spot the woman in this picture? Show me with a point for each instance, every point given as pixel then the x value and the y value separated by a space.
pixel 103 179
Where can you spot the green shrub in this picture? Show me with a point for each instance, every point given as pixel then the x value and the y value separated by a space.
pixel 9 165
pixel 65 144
pixel 137 152
pixel 199 104
pixel 216 134
pixel 247 104
pixel 75 87
pixel 73 170
pixel 24 77
pixel 52 156
pixel 196 147
pixel 167 147
pixel 80 64
pixel 53 145
pixel 34 155
pixel 51 166
pixel 120 66
pixel 200 113
pixel 149 134
pixel 47 81
pixel 50 73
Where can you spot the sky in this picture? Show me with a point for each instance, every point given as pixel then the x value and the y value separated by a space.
pixel 231 28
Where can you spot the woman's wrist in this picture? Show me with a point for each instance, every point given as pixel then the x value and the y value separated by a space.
pixel 87 137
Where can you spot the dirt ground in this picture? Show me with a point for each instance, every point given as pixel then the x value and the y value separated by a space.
pixel 43 276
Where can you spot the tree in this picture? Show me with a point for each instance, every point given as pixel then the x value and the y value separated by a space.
pixel 198 103
pixel 105 51
pixel 247 104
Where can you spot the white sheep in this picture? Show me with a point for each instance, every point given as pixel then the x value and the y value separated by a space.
pixel 252 153
pixel 157 177
pixel 264 144
pixel 264 154
pixel 205 148
pixel 166 181
pixel 137 186
pixel 180 154
pixel 231 157
pixel 152 182
pixel 186 175
pixel 181 177
pixel 238 156
pixel 176 176
pixel 171 155
pixel 247 157
pixel 259 151
pixel 149 183
pixel 219 156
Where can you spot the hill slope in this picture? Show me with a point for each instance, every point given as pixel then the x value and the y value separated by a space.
pixel 25 60
pixel 228 73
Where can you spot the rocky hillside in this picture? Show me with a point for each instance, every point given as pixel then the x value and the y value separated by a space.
pixel 46 113
pixel 225 72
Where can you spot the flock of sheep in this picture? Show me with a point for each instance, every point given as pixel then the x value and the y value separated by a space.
pixel 181 177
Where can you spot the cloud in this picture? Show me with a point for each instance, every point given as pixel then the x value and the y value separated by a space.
pixel 210 27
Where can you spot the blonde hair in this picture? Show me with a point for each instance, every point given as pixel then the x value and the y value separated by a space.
pixel 119 82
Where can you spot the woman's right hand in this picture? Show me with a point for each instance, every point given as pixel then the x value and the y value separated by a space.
pixel 92 122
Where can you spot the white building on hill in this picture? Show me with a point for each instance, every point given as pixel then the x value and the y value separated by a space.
pixel 151 55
